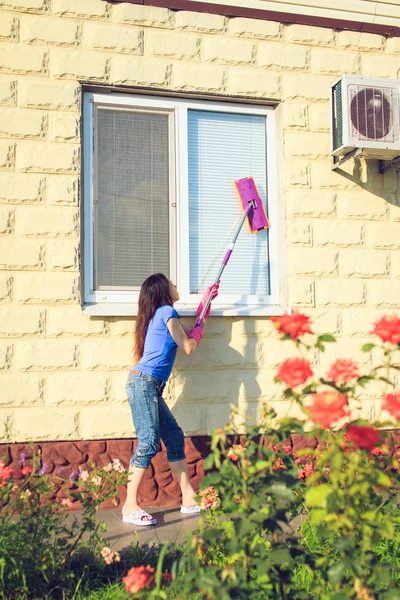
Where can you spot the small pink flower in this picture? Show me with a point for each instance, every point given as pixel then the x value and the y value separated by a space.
pixel 84 475
pixel 96 480
pixel 25 471
pixel 343 370
pixel 110 556
pixel 209 498
pixel 117 466
pixel 235 452
pixel 108 468
pixel 67 502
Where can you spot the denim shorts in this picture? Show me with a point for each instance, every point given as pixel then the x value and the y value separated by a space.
pixel 153 420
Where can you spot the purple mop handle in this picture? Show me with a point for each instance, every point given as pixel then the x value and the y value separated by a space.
pixel 225 261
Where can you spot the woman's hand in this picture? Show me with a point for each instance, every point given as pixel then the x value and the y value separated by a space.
pixel 212 291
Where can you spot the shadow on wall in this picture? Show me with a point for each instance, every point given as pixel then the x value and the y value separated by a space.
pixel 365 174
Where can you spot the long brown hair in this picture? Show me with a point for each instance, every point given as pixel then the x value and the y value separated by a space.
pixel 155 292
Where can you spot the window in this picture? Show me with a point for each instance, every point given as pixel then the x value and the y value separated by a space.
pixel 159 196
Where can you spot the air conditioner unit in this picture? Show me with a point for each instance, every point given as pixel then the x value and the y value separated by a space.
pixel 366 116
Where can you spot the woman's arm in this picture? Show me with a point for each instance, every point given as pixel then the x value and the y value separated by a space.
pixel 187 345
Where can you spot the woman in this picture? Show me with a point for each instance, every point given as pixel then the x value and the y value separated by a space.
pixel 158 334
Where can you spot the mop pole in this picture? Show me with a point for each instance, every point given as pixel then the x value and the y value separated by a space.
pixel 226 259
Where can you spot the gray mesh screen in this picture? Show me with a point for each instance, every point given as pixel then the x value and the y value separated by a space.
pixel 132 188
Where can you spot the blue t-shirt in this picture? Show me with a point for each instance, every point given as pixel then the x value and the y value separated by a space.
pixel 159 346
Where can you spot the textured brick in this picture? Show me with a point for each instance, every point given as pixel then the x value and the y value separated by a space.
pixel 323 177
pixel 34 6
pixel 253 28
pixel 44 30
pixel 295 116
pixel 393 45
pixel 146 71
pixel 46 287
pixel 240 353
pixel 22 60
pixel 360 41
pixel 384 293
pixel 319 116
pixel 8 92
pixel 340 234
pixel 304 34
pixel 304 144
pixel 170 45
pixel 22 123
pixel 253 83
pixel 395 264
pixel 107 354
pixel 326 321
pixel 336 292
pixel 6 425
pixel 21 390
pixel 281 56
pixel 47 222
pixel 118 384
pixel 113 38
pixel 383 235
pixel 227 51
pixel 122 328
pixel 41 424
pixel 73 64
pixel 45 355
pixel 310 203
pixel 299 233
pixel 77 388
pixel 142 15
pixel 68 321
pixel 8 28
pixel 7 156
pixel 307 87
pixel 363 263
pixel 301 292
pixel 297 174
pixel 379 66
pixel 361 205
pixel 331 61
pixel 48 158
pixel 347 349
pixel 63 255
pixel 7 219
pixel 359 323
pixel 54 95
pixel 64 128
pixel 99 422
pixel 79 9
pixel 21 255
pixel 311 261
pixel 63 190
pixel 22 188
pixel 6 356
pixel 20 321
pixel 197 77
pixel 5 288
pixel 202 22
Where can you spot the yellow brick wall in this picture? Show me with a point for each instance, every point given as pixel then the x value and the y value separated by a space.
pixel 63 374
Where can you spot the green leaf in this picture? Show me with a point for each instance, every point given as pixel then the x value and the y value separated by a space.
pixel 326 338
pixel 340 596
pixel 367 347
pixel 392 595
pixel 336 572
pixel 210 479
pixel 363 380
pixel 281 492
pixel 281 556
pixel 316 496
pixel 260 465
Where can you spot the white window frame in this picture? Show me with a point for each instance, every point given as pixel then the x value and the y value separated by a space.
pixel 117 302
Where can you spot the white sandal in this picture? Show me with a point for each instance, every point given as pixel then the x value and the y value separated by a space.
pixel 136 518
pixel 189 510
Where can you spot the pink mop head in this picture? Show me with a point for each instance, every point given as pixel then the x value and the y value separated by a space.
pixel 248 194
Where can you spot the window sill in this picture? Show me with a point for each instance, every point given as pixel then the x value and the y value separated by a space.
pixel 128 309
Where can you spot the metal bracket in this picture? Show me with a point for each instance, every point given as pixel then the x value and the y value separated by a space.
pixel 353 154
pixel 386 165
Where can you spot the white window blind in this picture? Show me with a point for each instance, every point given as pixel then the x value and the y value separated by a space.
pixel 131 198
pixel 224 147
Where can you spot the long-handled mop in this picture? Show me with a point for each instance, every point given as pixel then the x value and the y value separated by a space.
pixel 257 220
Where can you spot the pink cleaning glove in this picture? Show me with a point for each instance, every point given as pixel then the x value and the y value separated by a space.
pixel 196 333
pixel 213 290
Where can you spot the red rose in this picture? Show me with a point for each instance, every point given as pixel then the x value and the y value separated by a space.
pixel 343 370
pixel 388 329
pixel 363 436
pixel 167 577
pixel 138 578
pixel 392 404
pixel 327 408
pixel 25 471
pixel 294 371
pixel 295 325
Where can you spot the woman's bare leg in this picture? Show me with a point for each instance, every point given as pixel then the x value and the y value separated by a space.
pixel 180 470
pixel 131 503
